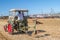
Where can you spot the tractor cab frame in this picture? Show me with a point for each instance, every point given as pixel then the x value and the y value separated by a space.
pixel 15 23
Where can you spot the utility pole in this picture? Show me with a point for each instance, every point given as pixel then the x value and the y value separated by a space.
pixel 52 11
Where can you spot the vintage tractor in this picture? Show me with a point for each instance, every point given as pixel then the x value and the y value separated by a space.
pixel 14 23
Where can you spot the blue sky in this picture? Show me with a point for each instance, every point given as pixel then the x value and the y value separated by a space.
pixel 34 6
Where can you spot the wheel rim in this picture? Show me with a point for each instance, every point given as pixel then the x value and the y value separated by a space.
pixel 9 28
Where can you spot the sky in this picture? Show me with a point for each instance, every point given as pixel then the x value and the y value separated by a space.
pixel 34 6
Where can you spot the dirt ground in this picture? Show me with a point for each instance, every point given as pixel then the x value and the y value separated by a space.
pixel 47 29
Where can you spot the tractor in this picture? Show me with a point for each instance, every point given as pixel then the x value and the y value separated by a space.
pixel 17 20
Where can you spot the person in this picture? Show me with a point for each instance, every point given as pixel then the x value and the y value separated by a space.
pixel 20 16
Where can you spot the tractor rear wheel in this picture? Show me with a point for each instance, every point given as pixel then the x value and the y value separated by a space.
pixel 10 29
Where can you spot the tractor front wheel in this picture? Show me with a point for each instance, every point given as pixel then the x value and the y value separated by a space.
pixel 5 28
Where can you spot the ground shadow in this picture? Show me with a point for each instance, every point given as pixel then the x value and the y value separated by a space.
pixel 18 33
pixel 44 35
pixel 29 32
pixel 37 22
pixel 36 32
pixel 41 30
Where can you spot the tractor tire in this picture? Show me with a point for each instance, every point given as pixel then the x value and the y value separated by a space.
pixel 10 29
pixel 5 28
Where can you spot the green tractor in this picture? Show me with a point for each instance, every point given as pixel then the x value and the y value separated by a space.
pixel 17 21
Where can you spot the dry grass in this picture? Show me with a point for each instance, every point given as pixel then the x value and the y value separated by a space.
pixel 51 27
